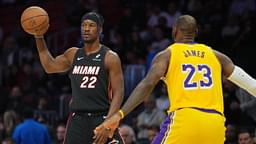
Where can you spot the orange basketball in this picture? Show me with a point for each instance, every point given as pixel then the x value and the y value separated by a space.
pixel 35 20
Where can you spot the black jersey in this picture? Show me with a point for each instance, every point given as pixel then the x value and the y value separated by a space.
pixel 89 82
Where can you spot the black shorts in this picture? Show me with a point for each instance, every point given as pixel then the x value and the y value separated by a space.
pixel 80 128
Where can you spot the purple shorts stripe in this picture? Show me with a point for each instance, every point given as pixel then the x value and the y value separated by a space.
pixel 164 130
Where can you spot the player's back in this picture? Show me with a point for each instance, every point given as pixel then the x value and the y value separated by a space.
pixel 194 78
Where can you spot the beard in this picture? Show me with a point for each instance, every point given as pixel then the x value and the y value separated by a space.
pixel 89 41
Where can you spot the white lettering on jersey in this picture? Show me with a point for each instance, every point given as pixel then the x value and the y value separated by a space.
pixel 86 70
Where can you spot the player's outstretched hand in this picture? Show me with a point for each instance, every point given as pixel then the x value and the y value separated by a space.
pixel 101 135
pixel 106 129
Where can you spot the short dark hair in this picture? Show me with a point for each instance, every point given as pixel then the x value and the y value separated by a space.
pixel 28 112
pixel 248 130
pixel 187 24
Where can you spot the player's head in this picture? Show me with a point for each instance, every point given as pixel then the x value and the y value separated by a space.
pixel 91 26
pixel 184 29
pixel 245 136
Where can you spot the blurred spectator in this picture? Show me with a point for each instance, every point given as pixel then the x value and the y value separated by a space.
pixel 245 105
pixel 151 116
pixel 9 52
pixel 128 134
pixel 2 129
pixel 26 78
pixel 8 141
pixel 245 136
pixel 231 134
pixel 10 118
pixel 232 112
pixel 9 76
pixel 118 43
pixel 30 131
pixel 230 33
pixel 159 43
pixel 172 14
pixel 154 12
pixel 25 54
pixel 43 114
pixel 126 23
pixel 231 28
pixel 152 132
pixel 60 133
pixel 194 7
pixel 137 47
pixel 162 102
pixel 15 100
pixel 132 76
pixel 162 23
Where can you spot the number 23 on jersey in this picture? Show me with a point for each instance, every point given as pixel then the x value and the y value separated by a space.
pixel 202 71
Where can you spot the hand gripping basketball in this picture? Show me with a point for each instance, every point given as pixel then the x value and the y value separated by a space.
pixel 35 21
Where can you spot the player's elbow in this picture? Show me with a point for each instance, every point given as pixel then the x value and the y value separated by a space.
pixel 48 71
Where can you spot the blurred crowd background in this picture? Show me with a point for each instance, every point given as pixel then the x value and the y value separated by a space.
pixel 136 30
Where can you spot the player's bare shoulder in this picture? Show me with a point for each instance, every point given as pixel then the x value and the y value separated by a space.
pixel 112 59
pixel 70 54
pixel 160 64
pixel 226 63
pixel 163 56
pixel 223 59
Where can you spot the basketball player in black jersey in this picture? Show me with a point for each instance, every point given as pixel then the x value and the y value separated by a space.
pixel 96 80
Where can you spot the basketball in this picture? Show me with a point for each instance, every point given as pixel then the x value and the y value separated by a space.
pixel 35 20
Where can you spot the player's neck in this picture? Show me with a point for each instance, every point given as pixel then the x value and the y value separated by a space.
pixel 185 40
pixel 92 47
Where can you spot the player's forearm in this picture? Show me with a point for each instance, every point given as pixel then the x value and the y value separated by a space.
pixel 138 95
pixel 44 54
pixel 116 102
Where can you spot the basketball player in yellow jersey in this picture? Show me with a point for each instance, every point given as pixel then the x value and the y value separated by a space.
pixel 193 74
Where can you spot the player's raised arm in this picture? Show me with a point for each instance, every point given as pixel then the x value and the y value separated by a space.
pixel 236 75
pixel 50 64
pixel 35 21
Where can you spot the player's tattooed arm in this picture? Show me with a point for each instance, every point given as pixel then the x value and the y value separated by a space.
pixel 145 87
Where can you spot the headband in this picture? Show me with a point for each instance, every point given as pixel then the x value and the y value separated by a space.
pixel 94 17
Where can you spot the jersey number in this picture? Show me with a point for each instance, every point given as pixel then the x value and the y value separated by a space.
pixel 205 70
pixel 88 82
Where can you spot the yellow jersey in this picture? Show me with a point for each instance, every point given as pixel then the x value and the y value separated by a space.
pixel 193 78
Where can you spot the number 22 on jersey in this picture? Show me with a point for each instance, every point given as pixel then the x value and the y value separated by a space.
pixel 200 70
pixel 88 82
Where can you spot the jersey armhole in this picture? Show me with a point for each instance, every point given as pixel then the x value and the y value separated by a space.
pixel 170 63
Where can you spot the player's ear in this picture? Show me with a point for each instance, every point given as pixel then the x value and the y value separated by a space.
pixel 174 32
pixel 100 30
